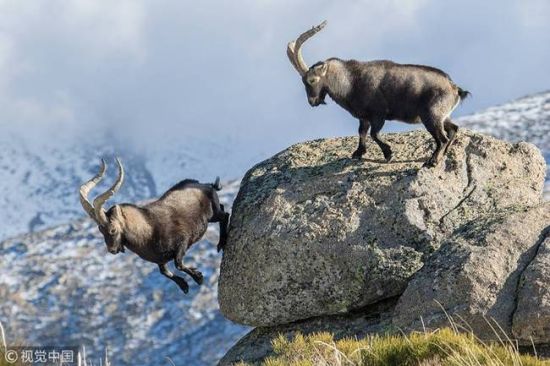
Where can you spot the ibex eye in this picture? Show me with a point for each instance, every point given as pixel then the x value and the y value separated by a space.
pixel 112 231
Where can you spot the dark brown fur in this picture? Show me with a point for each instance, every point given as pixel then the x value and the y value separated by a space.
pixel 376 91
pixel 163 230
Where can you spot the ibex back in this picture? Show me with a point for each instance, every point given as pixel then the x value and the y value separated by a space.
pixel 377 91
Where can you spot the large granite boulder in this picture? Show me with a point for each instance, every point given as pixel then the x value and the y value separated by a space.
pixel 315 233
pixel 486 276
pixel 531 321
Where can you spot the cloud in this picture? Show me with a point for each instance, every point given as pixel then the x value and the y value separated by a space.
pixel 167 72
pixel 49 50
pixel 533 14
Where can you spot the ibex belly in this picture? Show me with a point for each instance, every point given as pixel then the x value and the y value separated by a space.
pixel 198 233
pixel 160 254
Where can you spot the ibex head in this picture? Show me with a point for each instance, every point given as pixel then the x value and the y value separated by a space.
pixel 111 222
pixel 314 78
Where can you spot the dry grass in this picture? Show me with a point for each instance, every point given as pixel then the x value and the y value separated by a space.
pixel 446 346
pixel 82 360
pixel 4 348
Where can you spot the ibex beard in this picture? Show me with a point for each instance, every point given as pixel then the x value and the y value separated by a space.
pixel 376 91
pixel 162 230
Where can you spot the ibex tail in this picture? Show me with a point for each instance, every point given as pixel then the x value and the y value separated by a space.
pixel 216 185
pixel 463 94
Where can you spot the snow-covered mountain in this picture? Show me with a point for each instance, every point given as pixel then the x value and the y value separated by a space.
pixel 524 119
pixel 60 285
pixel 40 177
pixel 40 182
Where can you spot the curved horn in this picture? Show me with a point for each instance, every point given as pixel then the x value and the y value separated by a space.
pixel 87 187
pixel 292 57
pixel 100 200
pixel 294 49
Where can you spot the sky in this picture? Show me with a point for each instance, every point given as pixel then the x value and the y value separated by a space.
pixel 158 72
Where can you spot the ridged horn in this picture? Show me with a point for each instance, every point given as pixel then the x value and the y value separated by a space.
pixel 87 187
pixel 99 211
pixel 294 49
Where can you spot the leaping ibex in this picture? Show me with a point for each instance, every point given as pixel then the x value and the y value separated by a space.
pixel 162 230
pixel 377 91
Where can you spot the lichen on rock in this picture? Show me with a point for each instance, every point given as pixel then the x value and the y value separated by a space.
pixel 475 277
pixel 315 233
pixel 531 319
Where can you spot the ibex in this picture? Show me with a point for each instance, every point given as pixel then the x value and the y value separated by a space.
pixel 377 91
pixel 162 230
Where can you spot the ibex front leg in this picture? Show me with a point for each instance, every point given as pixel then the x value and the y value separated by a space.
pixel 191 271
pixel 178 280
pixel 376 126
pixel 362 148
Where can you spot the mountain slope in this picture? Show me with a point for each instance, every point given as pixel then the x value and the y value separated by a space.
pixel 524 119
pixel 40 178
pixel 40 182
pixel 60 285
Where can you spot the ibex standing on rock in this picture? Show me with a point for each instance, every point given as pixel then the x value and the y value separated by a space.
pixel 377 91
pixel 162 230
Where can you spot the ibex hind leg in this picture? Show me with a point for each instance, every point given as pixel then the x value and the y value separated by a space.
pixel 217 208
pixel 451 129
pixel 434 125
pixel 223 219
pixel 195 274
pixel 178 280
pixel 219 215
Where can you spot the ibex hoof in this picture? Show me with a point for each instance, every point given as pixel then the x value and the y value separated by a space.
pixel 195 274
pixel 184 287
pixel 198 278
pixel 357 154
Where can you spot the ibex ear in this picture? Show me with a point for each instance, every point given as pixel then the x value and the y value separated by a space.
pixel 320 69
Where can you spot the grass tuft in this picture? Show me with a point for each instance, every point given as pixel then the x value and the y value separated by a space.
pixel 445 347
